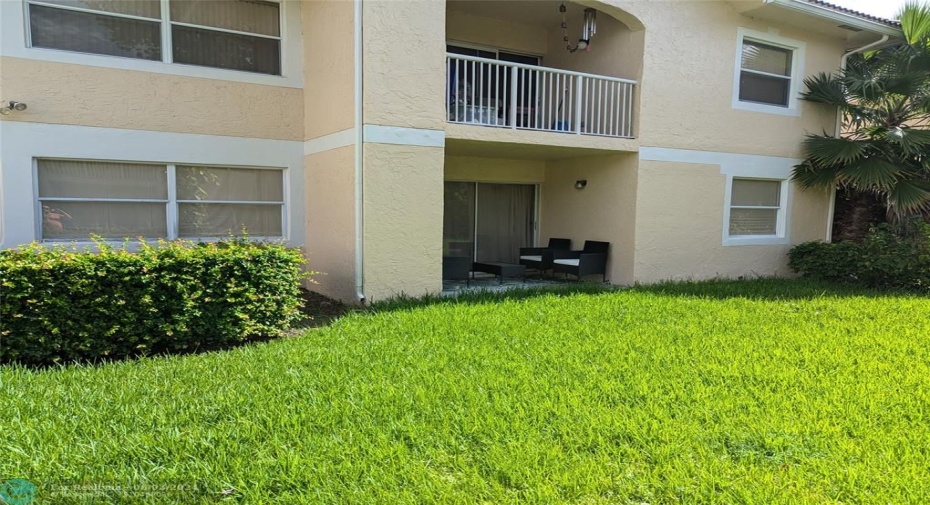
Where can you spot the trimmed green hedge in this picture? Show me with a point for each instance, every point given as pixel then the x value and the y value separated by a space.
pixel 883 259
pixel 59 305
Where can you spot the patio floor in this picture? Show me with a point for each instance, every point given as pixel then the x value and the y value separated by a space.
pixel 488 282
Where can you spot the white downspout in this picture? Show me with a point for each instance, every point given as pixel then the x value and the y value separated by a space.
pixel 359 161
pixel 838 130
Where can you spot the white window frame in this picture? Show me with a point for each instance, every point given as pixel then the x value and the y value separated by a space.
pixel 797 49
pixel 172 203
pixel 781 224
pixel 16 37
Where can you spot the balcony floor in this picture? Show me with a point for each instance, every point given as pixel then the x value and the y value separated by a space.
pixel 498 142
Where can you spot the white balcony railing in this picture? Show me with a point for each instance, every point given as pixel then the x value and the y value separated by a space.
pixel 513 95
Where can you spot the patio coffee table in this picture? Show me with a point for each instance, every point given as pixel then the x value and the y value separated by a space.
pixel 499 269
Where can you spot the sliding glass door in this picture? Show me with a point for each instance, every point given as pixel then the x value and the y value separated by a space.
pixel 458 220
pixel 488 222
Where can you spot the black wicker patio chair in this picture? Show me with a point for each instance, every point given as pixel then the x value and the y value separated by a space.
pixel 456 268
pixel 540 258
pixel 591 260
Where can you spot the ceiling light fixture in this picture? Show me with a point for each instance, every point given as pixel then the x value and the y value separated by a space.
pixel 587 31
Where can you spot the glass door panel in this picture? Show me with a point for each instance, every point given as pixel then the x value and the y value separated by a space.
pixel 505 221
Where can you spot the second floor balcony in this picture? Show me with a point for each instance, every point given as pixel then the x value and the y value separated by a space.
pixel 508 65
pixel 483 91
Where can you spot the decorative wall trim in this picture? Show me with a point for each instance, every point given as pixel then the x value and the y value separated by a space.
pixel 743 166
pixel 329 142
pixel 22 142
pixel 404 136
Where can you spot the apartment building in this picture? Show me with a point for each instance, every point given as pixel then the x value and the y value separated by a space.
pixel 383 136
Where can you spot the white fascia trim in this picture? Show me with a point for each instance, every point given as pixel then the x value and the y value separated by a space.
pixel 742 165
pixel 748 166
pixel 329 142
pixel 797 72
pixel 14 43
pixel 397 135
pixel 22 142
pixel 837 17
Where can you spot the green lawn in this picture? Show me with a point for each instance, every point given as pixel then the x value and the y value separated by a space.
pixel 753 392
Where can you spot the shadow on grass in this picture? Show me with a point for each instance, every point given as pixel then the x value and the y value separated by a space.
pixel 754 289
pixel 768 288
pixel 403 302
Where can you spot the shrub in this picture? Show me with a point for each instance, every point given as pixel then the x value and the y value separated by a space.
pixel 883 259
pixel 61 305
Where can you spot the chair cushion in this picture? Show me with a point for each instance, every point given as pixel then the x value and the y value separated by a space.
pixel 568 261
pixel 531 258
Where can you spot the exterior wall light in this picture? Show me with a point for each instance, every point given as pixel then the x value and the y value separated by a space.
pixel 581 183
pixel 11 106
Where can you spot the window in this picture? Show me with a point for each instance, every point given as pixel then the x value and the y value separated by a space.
pixel 756 209
pixel 767 73
pixel 240 35
pixel 119 200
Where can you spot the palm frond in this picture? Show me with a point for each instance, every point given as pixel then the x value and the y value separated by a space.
pixel 825 88
pixel 810 175
pixel 912 141
pixel 875 172
pixel 905 83
pixel 826 150
pixel 908 197
pixel 915 21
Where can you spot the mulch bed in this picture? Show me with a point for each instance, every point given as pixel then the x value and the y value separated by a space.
pixel 318 310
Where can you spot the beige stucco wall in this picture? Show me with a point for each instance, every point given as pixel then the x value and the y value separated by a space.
pixel 403 220
pixel 61 93
pixel 686 88
pixel 329 106
pixel 330 221
pixel 679 233
pixel 496 33
pixel 329 66
pixel 495 170
pixel 404 63
pixel 604 210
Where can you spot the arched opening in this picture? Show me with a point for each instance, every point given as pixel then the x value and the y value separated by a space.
pixel 538 80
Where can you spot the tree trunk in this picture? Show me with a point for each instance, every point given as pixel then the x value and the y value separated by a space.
pixel 855 213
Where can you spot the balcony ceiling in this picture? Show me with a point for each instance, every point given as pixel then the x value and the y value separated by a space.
pixel 544 13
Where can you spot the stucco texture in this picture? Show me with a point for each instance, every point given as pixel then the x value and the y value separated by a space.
pixel 403 220
pixel 404 63
pixel 679 230
pixel 113 98
pixel 329 66
pixel 494 170
pixel 686 88
pixel 470 28
pixel 330 221
pixel 605 210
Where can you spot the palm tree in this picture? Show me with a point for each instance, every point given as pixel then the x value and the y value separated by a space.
pixel 884 99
